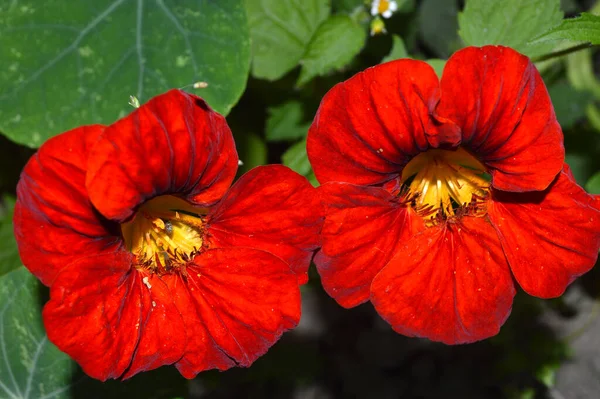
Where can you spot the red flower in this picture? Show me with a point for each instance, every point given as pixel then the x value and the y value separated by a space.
pixel 437 190
pixel 150 257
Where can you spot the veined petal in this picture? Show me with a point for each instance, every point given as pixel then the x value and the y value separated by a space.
pixel 54 221
pixel 450 283
pixel 549 237
pixel 501 104
pixel 368 127
pixel 271 208
pixel 363 228
pixel 162 337
pixel 107 318
pixel 174 144
pixel 244 298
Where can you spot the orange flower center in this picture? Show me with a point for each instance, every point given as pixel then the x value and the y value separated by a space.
pixel 442 184
pixel 383 6
pixel 165 234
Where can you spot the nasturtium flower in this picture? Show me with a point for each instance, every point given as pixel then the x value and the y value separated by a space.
pixel 151 257
pixel 439 192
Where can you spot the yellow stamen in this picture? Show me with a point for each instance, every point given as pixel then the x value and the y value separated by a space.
pixel 165 234
pixel 446 183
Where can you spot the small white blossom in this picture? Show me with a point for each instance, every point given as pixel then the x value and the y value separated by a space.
pixel 385 8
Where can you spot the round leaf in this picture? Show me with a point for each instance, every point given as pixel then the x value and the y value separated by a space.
pixel 68 63
pixel 30 366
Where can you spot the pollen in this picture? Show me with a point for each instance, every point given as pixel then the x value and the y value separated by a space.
pixel 443 184
pixel 165 234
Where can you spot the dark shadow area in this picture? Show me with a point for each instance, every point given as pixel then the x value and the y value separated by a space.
pixel 157 384
pixel 355 354
pixel 12 159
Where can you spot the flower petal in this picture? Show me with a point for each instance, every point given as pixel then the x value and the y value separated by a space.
pixel 163 338
pixel 450 283
pixel 499 100
pixel 245 299
pixel 368 127
pixel 100 312
pixel 271 208
pixel 363 227
pixel 54 221
pixel 549 237
pixel 174 144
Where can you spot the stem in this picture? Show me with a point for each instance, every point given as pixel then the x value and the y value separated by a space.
pixel 560 53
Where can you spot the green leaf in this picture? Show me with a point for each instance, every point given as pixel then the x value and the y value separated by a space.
pixel 581 166
pixel 438 26
pixel 348 5
pixel 584 28
pixel 30 366
pixel 593 184
pixel 252 151
pixel 333 46
pixel 68 63
pixel 296 159
pixel 285 122
pixel 398 50
pixel 9 255
pixel 509 22
pixel 547 375
pixel 280 32
pixel 569 6
pixel 580 72
pixel 437 65
pixel 569 103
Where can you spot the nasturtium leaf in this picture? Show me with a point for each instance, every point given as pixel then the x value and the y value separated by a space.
pixel 569 103
pixel 593 184
pixel 67 63
pixel 332 47
pixel 584 28
pixel 30 365
pixel 438 26
pixel 9 255
pixel 398 50
pixel 511 23
pixel 280 32
pixel 296 159
pixel 437 65
pixel 285 122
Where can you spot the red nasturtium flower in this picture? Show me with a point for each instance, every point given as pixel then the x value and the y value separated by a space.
pixel 437 189
pixel 150 256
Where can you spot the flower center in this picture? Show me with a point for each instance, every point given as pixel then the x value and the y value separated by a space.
pixel 442 184
pixel 165 234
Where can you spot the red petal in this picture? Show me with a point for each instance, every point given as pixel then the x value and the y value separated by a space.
pixel 368 127
pixel 244 298
pixel 174 144
pixel 101 314
pixel 450 284
pixel 549 237
pixel 363 227
pixel 499 100
pixel 54 220
pixel 271 208
pixel 163 338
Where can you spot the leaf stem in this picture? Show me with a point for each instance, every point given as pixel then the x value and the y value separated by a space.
pixel 561 53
